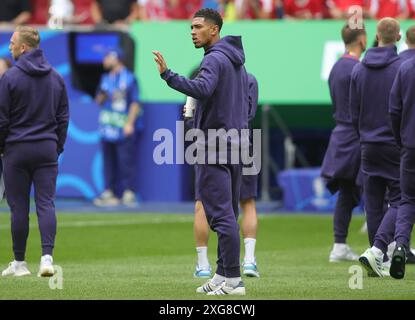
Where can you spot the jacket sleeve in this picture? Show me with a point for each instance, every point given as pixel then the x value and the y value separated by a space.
pixel 395 107
pixel 332 93
pixel 253 99
pixel 62 119
pixel 203 86
pixel 5 104
pixel 354 100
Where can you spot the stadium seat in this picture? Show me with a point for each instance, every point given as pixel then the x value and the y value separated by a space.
pixel 82 7
pixel 40 10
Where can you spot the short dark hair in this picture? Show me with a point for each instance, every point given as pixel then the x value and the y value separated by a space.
pixel 211 15
pixel 410 35
pixel 350 35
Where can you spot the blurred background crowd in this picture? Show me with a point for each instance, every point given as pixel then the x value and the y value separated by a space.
pixel 123 12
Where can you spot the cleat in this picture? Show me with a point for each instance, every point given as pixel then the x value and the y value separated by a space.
pixel 239 290
pixel 17 269
pixel 209 287
pixel 397 269
pixel 46 268
pixel 342 252
pixel 250 270
pixel 372 263
pixel 202 272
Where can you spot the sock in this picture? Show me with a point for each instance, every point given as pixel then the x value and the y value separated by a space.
pixel 233 282
pixel 377 251
pixel 217 279
pixel 202 259
pixel 249 250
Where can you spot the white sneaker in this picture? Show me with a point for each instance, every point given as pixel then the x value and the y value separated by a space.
pixel 17 269
pixel 209 286
pixel 391 248
pixel 202 272
pixel 129 198
pixel 46 266
pixel 107 198
pixel 250 269
pixel 342 252
pixel 239 290
pixel 372 263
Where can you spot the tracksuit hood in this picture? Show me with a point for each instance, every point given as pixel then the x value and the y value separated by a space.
pixel 380 57
pixel 34 63
pixel 230 46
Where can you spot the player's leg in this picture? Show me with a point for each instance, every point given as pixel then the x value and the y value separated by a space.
pixel 17 179
pixel 109 156
pixel 249 225
pixel 348 198
pixel 217 195
pixel 126 151
pixel 374 194
pixel 406 215
pixel 44 180
pixel 201 233
pixel 249 228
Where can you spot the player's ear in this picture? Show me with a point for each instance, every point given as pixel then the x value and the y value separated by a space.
pixel 215 30
pixel 399 37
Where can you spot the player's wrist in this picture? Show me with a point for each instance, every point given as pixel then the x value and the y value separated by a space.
pixel 164 75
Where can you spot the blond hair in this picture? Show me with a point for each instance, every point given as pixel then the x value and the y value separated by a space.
pixel 28 36
pixel 388 30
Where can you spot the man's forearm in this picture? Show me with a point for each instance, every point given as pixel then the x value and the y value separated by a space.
pixel 133 113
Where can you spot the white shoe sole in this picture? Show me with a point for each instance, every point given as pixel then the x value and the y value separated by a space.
pixel 22 274
pixel 336 260
pixel 236 292
pixel 16 274
pixel 251 273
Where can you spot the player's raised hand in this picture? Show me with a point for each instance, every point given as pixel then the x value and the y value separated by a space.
pixel 161 63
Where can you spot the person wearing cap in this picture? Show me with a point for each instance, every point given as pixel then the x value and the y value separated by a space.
pixel 118 96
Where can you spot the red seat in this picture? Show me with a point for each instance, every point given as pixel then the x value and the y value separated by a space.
pixel 40 9
pixel 82 7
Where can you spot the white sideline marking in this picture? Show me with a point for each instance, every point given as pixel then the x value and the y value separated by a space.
pixel 99 223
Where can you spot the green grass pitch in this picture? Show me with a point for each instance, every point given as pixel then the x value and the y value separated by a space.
pixel 152 256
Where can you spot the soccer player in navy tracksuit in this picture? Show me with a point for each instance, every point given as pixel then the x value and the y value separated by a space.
pixel 33 127
pixel 341 164
pixel 410 41
pixel 5 64
pixel 369 100
pixel 406 55
pixel 248 194
pixel 220 89
pixel 402 113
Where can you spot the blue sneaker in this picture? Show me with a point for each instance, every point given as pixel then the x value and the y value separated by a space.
pixel 250 270
pixel 202 272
